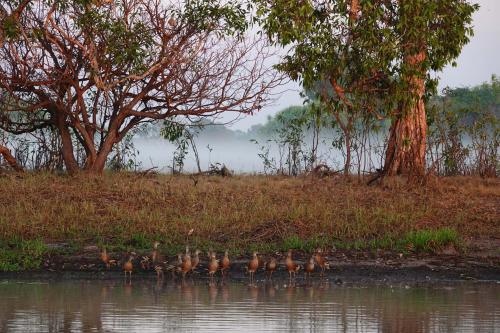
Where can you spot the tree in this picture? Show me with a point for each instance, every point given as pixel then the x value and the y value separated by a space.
pixel 372 56
pixel 330 57
pixel 432 34
pixel 95 70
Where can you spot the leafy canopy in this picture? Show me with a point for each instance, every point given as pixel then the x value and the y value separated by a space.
pixel 366 53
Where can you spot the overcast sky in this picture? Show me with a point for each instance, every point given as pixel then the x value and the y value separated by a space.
pixel 478 61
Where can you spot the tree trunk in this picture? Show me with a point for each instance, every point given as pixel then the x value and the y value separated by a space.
pixel 102 156
pixel 5 152
pixel 67 145
pixel 406 148
pixel 347 164
pixel 405 153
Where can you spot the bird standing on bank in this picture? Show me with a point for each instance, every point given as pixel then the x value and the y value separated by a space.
pixel 105 257
pixel 213 265
pixel 253 265
pixel 309 267
pixel 291 266
pixel 128 266
pixel 226 263
pixel 195 261
pixel 270 266
pixel 321 261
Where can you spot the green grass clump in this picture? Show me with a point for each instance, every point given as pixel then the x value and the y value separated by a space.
pixel 18 255
pixel 424 240
pixel 431 240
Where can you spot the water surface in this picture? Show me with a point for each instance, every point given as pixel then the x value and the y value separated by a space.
pixel 148 306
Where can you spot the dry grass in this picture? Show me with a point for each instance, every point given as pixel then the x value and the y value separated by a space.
pixel 244 212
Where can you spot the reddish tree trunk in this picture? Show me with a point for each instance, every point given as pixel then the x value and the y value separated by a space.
pixel 5 152
pixel 405 153
pixel 406 148
pixel 113 137
pixel 100 162
pixel 67 145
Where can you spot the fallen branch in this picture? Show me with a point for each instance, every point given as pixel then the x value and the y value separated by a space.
pixel 217 170
pixel 323 170
pixel 379 174
pixel 149 172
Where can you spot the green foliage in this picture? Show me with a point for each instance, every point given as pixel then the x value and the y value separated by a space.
pixel 464 130
pixel 215 16
pixel 287 129
pixel 18 254
pixel 127 43
pixel 367 55
pixel 172 131
pixel 294 242
pixel 9 27
pixel 139 241
pixel 124 155
pixel 182 137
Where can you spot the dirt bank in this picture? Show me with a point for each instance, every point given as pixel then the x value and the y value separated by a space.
pixel 346 267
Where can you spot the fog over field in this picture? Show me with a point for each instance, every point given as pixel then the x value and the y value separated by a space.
pixel 239 154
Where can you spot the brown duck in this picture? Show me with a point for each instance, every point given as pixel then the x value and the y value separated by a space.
pixel 186 265
pixel 105 257
pixel 291 266
pixel 159 271
pixel 253 265
pixel 270 266
pixel 155 254
pixel 128 266
pixel 145 263
pixel 309 267
pixel 226 263
pixel 321 261
pixel 213 265
pixel 196 260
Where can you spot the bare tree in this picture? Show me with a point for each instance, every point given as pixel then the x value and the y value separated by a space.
pixel 96 70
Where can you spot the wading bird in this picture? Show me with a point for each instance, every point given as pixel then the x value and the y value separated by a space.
pixel 291 266
pixel 128 266
pixel 186 265
pixel 253 265
pixel 145 263
pixel 309 267
pixel 105 257
pixel 226 263
pixel 322 262
pixel 155 254
pixel 270 266
pixel 159 271
pixel 196 260
pixel 213 265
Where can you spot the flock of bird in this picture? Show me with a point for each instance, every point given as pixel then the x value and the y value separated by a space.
pixel 187 264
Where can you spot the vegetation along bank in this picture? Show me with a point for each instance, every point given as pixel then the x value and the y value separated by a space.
pixel 52 222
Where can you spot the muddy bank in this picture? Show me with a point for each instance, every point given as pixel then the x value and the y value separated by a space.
pixel 346 267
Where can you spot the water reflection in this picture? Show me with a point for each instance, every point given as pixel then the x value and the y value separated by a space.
pixel 147 306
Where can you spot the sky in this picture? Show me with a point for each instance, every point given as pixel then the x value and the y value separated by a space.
pixel 478 61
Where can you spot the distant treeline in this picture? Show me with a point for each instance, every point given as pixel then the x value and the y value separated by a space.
pixel 467 102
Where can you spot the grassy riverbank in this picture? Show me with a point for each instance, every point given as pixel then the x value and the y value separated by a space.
pixel 128 212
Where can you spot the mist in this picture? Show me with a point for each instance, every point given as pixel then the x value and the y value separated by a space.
pixel 238 155
pixel 239 151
